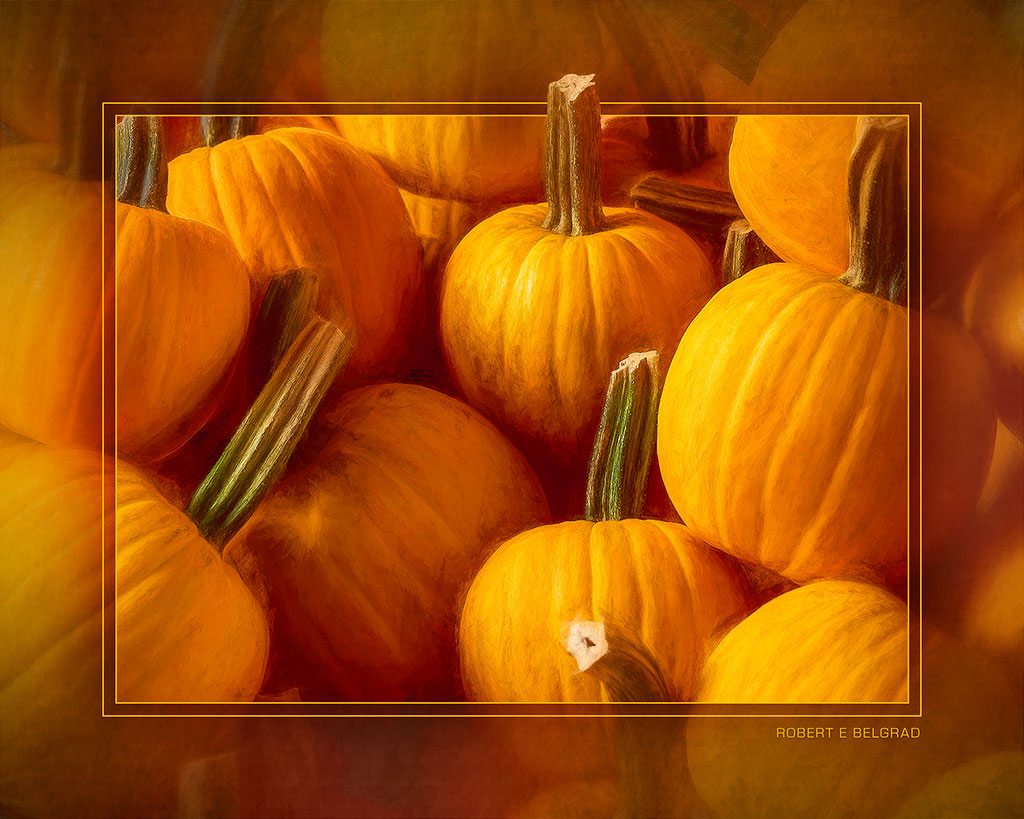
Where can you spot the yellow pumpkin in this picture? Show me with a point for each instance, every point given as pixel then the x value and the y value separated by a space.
pixel 539 302
pixel 789 177
pixel 298 198
pixel 832 642
pixel 186 628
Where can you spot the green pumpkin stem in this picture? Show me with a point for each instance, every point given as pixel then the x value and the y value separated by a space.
pixel 141 167
pixel 217 129
pixel 287 306
pixel 79 94
pixel 621 459
pixel 878 209
pixel 259 450
pixel 630 673
pixel 572 169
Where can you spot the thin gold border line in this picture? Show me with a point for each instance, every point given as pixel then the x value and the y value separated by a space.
pixel 424 703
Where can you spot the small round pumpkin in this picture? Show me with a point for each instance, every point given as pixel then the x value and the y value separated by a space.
pixel 297 198
pixel 166 379
pixel 789 176
pixel 170 645
pixel 361 551
pixel 742 768
pixel 783 425
pixel 539 302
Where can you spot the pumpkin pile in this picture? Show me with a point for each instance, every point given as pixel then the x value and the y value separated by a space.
pixel 300 510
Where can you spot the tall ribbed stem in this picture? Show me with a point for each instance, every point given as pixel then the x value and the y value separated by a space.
pixel 572 179
pixel 141 167
pixel 621 459
pixel 878 209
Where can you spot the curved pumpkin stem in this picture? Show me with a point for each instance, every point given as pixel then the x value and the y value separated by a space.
pixel 629 672
pixel 878 209
pixel 260 449
pixel 621 460
pixel 572 166
pixel 141 168
pixel 287 306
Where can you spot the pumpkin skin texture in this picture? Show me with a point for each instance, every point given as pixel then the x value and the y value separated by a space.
pixel 784 442
pixel 169 580
pixel 469 158
pixel 833 641
pixel 363 549
pixel 176 342
pixel 782 169
pixel 741 768
pixel 50 351
pixel 532 321
pixel 994 313
pixel 299 198
pixel 51 728
pixel 655 579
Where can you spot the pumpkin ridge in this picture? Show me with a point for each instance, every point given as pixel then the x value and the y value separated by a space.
pixel 234 232
pixel 721 495
pixel 782 447
pixel 858 427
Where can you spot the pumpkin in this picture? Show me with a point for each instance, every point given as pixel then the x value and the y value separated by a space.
pixel 994 312
pixel 372 54
pixel 538 302
pixel 50 352
pixel 789 176
pixel 783 426
pixel 966 73
pixel 175 342
pixel 827 642
pixel 648 592
pixel 169 647
pixel 834 635
pixel 361 551
pixel 298 198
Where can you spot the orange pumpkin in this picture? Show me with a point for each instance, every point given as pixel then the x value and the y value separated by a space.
pixel 167 378
pixel 169 646
pixel 297 198
pixel 374 53
pixel 539 302
pixel 363 549
pixel 789 176
pixel 834 634
pixel 994 311
pixel 783 426
pixel 828 642
pixel 966 73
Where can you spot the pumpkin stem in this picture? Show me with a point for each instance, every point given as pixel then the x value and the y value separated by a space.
pixel 694 208
pixel 259 450
pixel 287 306
pixel 80 140
pixel 621 460
pixel 572 170
pixel 141 168
pixel 744 250
pixel 217 128
pixel 629 672
pixel 878 209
